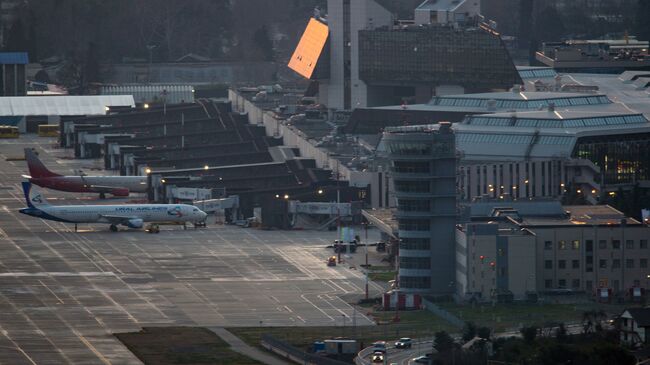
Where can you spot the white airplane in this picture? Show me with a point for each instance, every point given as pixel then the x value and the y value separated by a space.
pixel 130 215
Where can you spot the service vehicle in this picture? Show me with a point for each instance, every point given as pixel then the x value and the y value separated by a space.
pixel 379 346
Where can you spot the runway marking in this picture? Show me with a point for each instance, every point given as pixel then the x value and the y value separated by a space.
pixel 91 347
pixel 50 290
pixel 56 273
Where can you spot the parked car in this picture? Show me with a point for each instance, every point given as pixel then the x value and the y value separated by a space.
pixel 404 343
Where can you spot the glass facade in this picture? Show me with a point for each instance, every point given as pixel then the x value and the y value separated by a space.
pixel 519 103
pixel 623 159
pixel 557 123
pixel 472 58
pixel 537 73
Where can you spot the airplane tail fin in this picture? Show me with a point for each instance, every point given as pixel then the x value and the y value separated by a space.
pixel 36 168
pixel 33 197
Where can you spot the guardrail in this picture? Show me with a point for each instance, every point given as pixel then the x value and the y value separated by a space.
pixel 295 354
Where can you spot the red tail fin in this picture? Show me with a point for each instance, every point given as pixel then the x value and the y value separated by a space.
pixel 36 167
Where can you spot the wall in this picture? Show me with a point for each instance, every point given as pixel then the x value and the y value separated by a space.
pixel 294 137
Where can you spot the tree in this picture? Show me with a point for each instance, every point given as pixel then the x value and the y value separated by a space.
pixel 592 321
pixel 469 331
pixel 642 20
pixel 443 342
pixel 529 334
pixel 484 333
pixel 91 65
pixel 16 40
pixel 549 25
pixel 263 41
pixel 561 334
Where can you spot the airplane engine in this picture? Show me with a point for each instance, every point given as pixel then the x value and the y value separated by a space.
pixel 120 192
pixel 135 223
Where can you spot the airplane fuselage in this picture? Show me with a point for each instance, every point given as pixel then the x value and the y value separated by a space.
pixel 108 213
pixel 94 184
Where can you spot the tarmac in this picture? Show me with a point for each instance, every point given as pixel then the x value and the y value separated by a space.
pixel 64 293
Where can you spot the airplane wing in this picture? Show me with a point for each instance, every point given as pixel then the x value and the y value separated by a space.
pixel 117 191
pixel 116 219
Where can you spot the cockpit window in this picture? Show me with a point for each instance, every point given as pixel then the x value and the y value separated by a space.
pixel 196 209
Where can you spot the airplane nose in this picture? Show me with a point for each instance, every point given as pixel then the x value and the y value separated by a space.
pixel 203 215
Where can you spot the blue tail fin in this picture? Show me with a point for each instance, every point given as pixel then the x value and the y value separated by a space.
pixel 27 186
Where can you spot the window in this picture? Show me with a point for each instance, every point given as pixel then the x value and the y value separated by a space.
pixel 414 225
pixel 629 244
pixel 602 264
pixel 502 271
pixel 575 244
pixel 561 264
pixel 589 245
pixel 629 263
pixel 575 264
pixel 602 244
pixel 548 284
pixel 643 244
pixel 589 285
pixel 561 283
pixel 548 245
pixel 418 282
pixel 414 262
pixel 575 283
pixel 413 205
pixel 643 263
pixel 411 167
pixel 616 263
pixel 561 245
pixel 616 244
pixel 412 186
pixel 408 243
pixel 548 264
pixel 637 283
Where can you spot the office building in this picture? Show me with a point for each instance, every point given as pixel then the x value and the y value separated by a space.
pixel 423 167
pixel 577 248
pixel 363 54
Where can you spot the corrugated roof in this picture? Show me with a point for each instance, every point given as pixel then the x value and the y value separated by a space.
pixel 14 58
pixel 62 105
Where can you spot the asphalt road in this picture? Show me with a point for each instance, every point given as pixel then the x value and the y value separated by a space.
pixel 62 294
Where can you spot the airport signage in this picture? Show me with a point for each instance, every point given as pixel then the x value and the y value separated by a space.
pixel 191 193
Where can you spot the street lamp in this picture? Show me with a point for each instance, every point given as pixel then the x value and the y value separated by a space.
pixel 147 171
pixel 206 167
pixel 286 196
pixel 320 191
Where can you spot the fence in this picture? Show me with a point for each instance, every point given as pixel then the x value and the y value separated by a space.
pixel 295 354
pixel 433 308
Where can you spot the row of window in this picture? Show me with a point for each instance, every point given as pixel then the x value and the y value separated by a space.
pixel 408 243
pixel 512 139
pixel 414 262
pixel 412 167
pixel 520 104
pixel 415 282
pixel 414 225
pixel 412 186
pixel 557 123
pixel 537 73
pixel 419 205
pixel 602 263
pixel 602 244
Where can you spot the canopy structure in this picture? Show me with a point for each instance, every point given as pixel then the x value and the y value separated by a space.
pixel 62 105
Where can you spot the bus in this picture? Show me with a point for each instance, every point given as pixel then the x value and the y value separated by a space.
pixel 7 131
pixel 48 130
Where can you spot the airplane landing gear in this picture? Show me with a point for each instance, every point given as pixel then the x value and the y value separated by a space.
pixel 113 228
pixel 153 228
pixel 102 196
